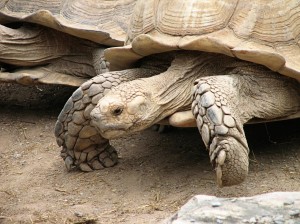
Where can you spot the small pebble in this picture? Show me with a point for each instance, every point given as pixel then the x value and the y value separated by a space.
pixel 266 219
pixel 252 220
pixel 278 222
pixel 78 214
pixel 294 213
pixel 219 221
pixel 279 219
pixel 233 199
pixel 288 203
pixel 216 204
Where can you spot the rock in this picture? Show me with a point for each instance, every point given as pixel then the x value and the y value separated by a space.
pixel 295 213
pixel 265 208
pixel 78 214
pixel 215 204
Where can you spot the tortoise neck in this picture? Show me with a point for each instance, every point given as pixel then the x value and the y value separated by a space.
pixel 171 90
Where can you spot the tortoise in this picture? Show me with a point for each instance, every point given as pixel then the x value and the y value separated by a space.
pixel 59 42
pixel 212 64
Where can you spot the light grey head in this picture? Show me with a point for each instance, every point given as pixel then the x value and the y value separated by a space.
pixel 123 110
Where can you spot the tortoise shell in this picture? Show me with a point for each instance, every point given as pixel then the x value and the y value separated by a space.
pixel 259 31
pixel 103 22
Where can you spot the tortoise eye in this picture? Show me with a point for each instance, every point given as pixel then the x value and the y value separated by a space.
pixel 117 111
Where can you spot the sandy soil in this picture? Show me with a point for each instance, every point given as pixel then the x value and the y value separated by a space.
pixel 157 173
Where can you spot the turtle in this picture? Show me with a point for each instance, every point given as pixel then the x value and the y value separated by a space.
pixel 212 64
pixel 59 42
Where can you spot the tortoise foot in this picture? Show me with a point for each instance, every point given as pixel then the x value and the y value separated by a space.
pixel 230 160
pixel 93 158
pixel 221 129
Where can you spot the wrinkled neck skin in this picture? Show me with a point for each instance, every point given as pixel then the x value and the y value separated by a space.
pixel 170 91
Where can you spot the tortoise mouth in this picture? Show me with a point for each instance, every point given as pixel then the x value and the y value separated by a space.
pixel 112 134
pixel 107 127
pixel 110 131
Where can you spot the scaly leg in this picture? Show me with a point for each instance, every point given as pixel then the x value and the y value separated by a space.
pixel 222 104
pixel 82 145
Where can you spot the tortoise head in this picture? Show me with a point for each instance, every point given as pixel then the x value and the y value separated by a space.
pixel 125 109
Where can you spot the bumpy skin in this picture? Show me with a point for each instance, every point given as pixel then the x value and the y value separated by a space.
pixel 221 129
pixel 222 104
pixel 82 146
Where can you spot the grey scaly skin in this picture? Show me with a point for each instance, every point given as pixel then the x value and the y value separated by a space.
pixel 82 145
pixel 228 94
pixel 223 104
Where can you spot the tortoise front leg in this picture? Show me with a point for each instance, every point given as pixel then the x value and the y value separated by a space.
pixel 221 129
pixel 222 104
pixel 82 145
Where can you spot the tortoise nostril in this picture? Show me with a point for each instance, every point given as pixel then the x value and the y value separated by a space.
pixel 95 115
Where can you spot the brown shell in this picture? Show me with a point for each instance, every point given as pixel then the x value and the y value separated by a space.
pixel 103 22
pixel 266 32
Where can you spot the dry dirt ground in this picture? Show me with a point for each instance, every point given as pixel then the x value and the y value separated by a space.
pixel 157 172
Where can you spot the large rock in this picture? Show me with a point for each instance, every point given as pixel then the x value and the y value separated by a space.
pixel 277 208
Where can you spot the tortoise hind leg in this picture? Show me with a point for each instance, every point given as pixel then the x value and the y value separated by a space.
pixel 222 104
